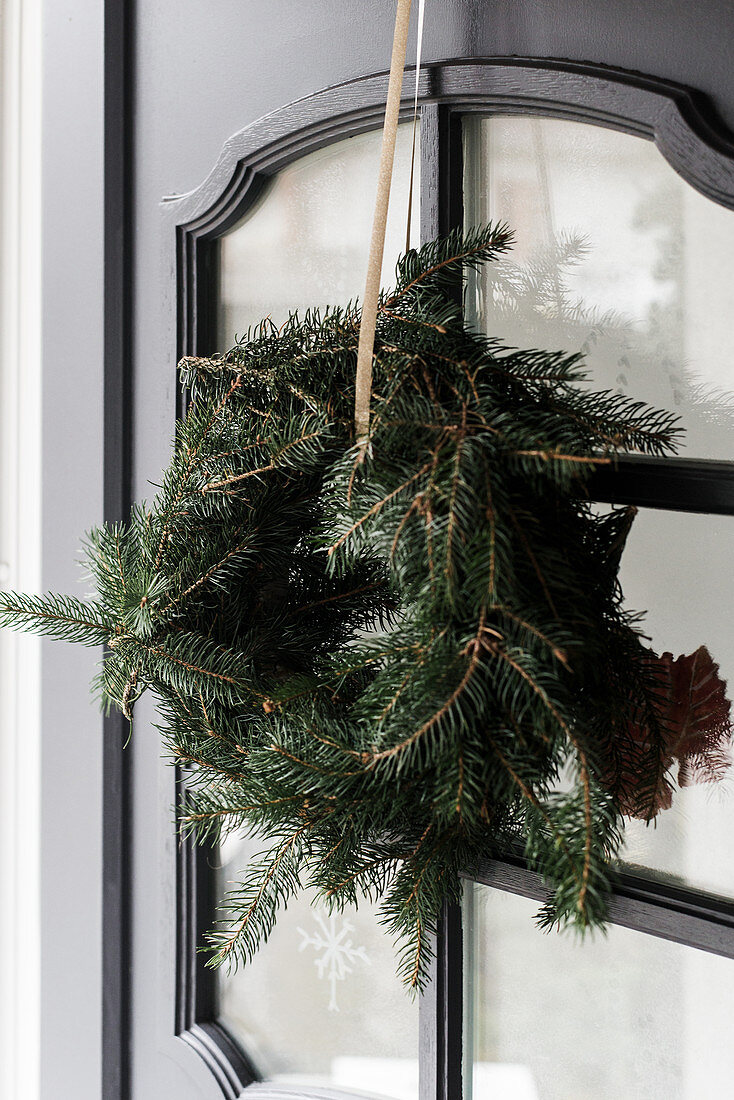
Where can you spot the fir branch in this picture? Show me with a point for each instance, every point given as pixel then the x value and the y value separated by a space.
pixel 377 508
pixel 62 617
pixel 230 942
pixel 380 659
pixel 474 650
pixel 273 465
pixel 192 454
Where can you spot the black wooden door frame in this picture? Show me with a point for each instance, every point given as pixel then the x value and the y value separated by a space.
pixel 116 458
pixel 687 134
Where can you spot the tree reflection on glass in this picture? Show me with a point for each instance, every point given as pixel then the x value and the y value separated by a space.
pixel 616 257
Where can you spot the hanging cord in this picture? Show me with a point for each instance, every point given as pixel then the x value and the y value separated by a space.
pixel 418 51
pixel 365 349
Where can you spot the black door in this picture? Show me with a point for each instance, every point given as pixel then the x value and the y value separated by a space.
pixel 570 122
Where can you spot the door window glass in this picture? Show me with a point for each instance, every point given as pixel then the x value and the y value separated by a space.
pixel 616 256
pixel 321 1003
pixel 676 567
pixel 624 1016
pixel 305 241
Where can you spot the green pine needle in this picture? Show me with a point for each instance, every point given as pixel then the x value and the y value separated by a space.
pixel 383 663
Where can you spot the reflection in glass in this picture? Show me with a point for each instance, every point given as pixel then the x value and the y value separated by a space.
pixel 305 241
pixel 676 568
pixel 321 1003
pixel 619 1017
pixel 615 256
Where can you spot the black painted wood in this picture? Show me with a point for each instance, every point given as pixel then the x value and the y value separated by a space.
pixel 116 506
pixel 440 1038
pixel 674 484
pixel 670 912
pixel 450 992
pixel 222 1056
pixel 440 1011
pixel 698 148
pixel 197 1009
pixel 675 118
pixel 196 1000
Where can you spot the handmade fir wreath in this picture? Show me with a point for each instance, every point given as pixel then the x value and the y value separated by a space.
pixel 392 661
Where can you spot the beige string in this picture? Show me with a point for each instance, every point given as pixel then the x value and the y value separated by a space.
pixel 418 51
pixel 365 349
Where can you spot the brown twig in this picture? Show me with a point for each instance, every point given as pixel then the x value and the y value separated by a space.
pixel 235 933
pixel 475 648
pixel 273 465
pixel 378 507
pixel 549 456
pixel 432 271
pixel 555 650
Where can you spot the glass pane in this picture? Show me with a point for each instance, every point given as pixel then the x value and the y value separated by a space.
pixel 615 256
pixel 305 242
pixel 321 1003
pixel 618 257
pixel 618 1017
pixel 677 568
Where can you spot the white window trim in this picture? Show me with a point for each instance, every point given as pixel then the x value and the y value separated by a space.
pixel 20 453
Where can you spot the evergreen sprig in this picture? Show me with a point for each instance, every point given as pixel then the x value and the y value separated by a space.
pixel 387 663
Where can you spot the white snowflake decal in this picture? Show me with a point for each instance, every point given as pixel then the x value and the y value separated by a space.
pixel 338 954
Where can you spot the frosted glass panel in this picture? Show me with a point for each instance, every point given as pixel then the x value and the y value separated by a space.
pixel 678 568
pixel 616 256
pixel 305 242
pixel 621 1017
pixel 321 1003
